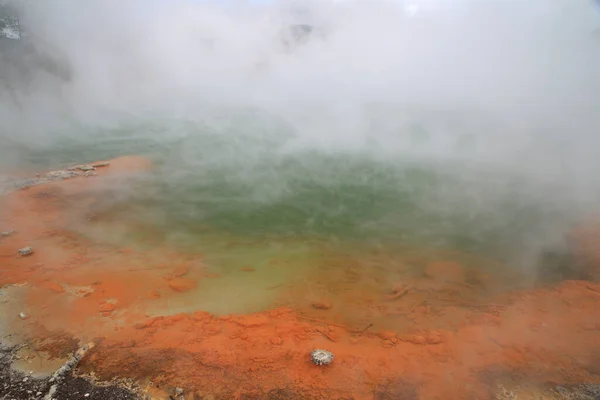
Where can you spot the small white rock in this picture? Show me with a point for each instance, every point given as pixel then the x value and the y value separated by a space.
pixel 26 251
pixel 23 315
pixel 86 395
pixel 321 357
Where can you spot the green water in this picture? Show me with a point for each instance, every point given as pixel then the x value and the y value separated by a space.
pixel 238 191
pixel 235 290
pixel 242 179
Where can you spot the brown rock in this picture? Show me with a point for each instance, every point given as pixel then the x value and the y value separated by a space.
pixel 252 321
pixel 418 339
pixel 107 307
pixel 55 287
pixel 213 329
pixel 387 335
pixel 277 341
pixel 398 291
pixel 434 338
pixel 180 271
pixel 334 333
pixel 248 269
pixel 322 304
pixel 182 284
pixel 445 271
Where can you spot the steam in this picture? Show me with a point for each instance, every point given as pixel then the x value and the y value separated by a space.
pixel 513 62
pixel 508 87
pixel 172 57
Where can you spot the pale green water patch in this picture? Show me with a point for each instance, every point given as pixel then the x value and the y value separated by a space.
pixel 243 277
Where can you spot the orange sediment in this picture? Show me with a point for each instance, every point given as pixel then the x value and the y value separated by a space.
pixel 83 289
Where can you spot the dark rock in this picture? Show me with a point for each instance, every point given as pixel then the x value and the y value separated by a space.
pixel 17 385
pixel 583 391
pixel 398 389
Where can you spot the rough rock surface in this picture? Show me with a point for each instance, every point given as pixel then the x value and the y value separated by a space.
pixel 61 174
pixel 321 357
pixel 19 386
pixel 25 251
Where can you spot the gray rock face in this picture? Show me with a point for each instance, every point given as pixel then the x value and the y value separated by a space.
pixel 321 357
pixel 61 174
pixel 583 391
pixel 83 167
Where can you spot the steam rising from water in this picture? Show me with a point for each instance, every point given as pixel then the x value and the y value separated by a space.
pixel 465 127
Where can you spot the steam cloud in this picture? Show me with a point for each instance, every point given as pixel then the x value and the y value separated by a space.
pixel 528 63
pixel 521 76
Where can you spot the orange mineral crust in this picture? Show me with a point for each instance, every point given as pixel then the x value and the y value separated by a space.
pixel 77 287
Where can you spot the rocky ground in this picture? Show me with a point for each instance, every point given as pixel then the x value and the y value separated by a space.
pixel 15 385
pixel 568 392
pixel 64 384
pixel 86 170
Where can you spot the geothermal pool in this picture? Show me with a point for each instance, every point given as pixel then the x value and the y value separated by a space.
pixel 418 197
pixel 216 260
